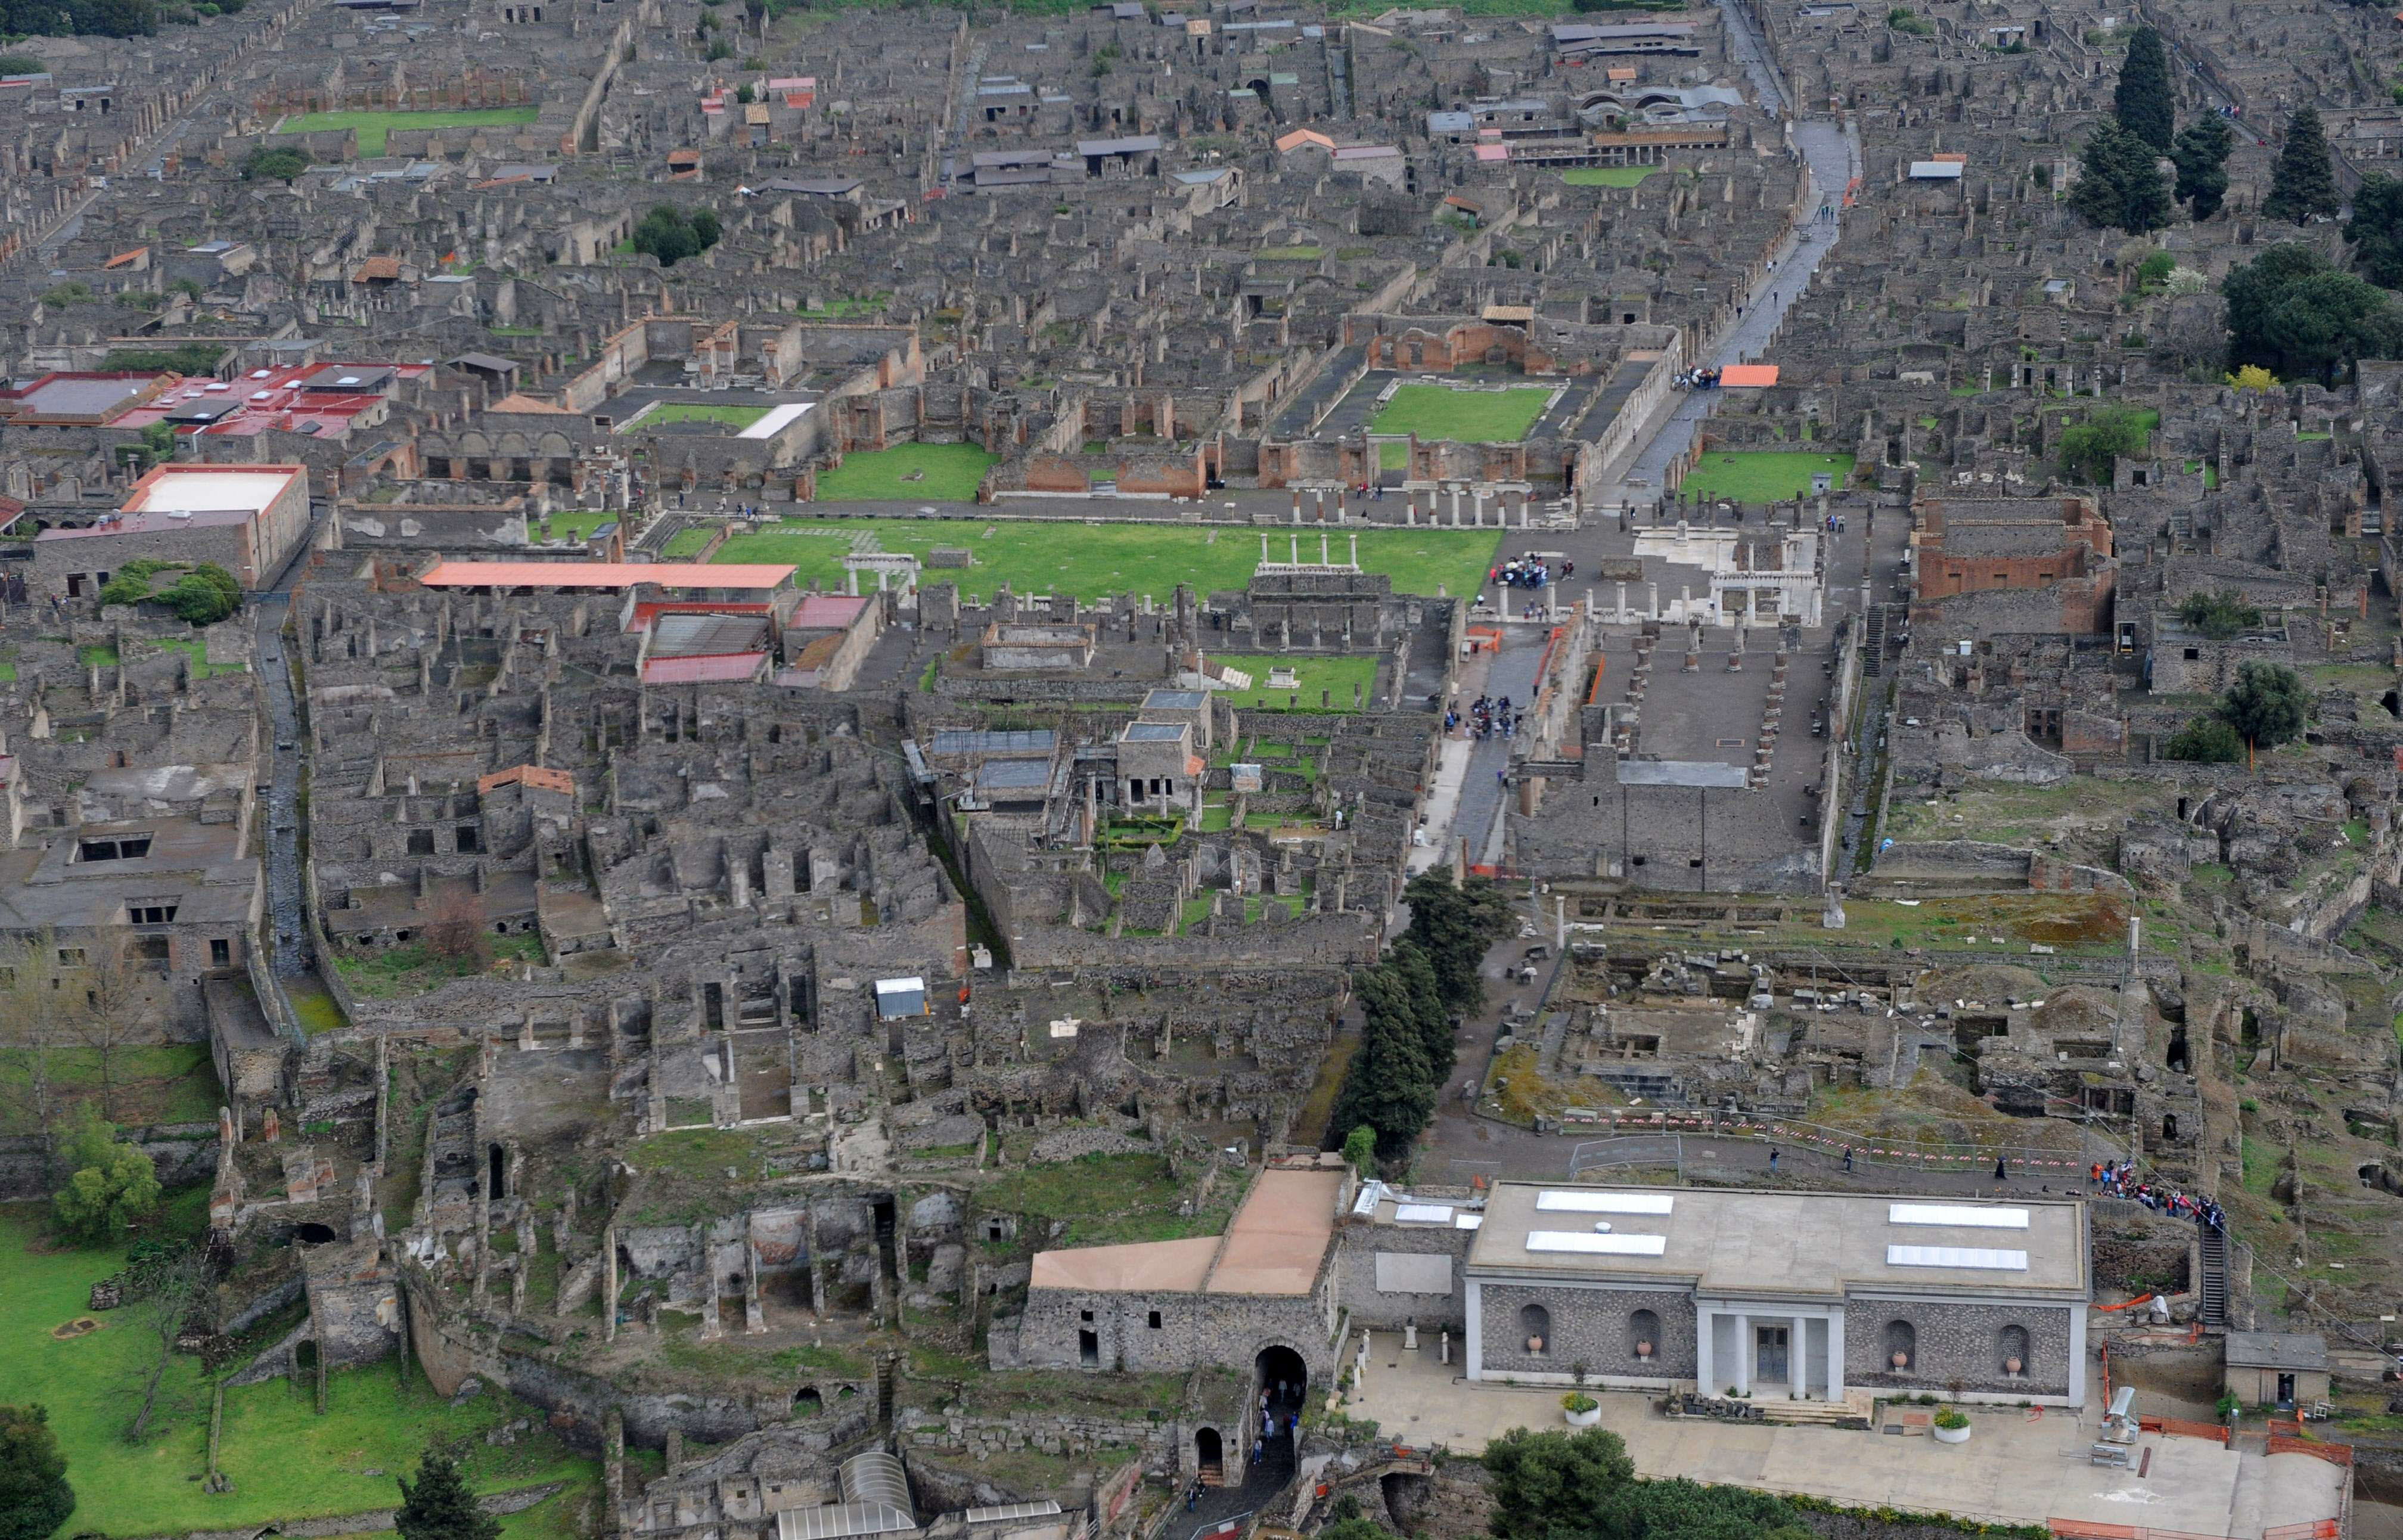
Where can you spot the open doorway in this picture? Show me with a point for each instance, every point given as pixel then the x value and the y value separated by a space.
pixel 1209 1457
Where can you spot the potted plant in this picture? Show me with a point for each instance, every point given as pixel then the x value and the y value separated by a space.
pixel 1951 1426
pixel 1580 1409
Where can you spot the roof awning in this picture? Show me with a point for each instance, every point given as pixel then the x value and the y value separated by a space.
pixel 1736 376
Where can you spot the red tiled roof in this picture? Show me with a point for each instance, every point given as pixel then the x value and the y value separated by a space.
pixel 375 267
pixel 123 257
pixel 536 776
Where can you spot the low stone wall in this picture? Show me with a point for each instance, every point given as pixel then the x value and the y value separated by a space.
pixel 376 1521
pixel 182 1153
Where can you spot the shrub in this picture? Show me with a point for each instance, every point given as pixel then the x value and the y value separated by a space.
pixel 1951 1417
pixel 1579 1401
pixel 275 165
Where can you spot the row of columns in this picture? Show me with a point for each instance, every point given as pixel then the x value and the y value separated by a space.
pixel 1436 509
pixel 1798 1352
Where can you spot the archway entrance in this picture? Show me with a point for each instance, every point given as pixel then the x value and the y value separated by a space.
pixel 1281 1381
pixel 1209 1457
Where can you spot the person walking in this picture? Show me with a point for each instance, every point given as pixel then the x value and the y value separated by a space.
pixel 2002 1169
pixel 1848 1157
pixel 1772 1159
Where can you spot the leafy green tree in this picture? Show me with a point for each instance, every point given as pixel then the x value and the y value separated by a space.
pixel 2118 183
pixel 439 1506
pixel 2218 616
pixel 275 165
pixel 671 234
pixel 2142 101
pixel 183 358
pixel 2266 705
pixel 2376 231
pixel 35 1497
pixel 1390 1087
pixel 1679 1509
pixel 705 228
pixel 1455 927
pixel 113 1185
pixel 1360 1151
pixel 21 64
pixel 2092 448
pixel 2303 185
pixel 1548 1485
pixel 1357 1528
pixel 2200 151
pixel 2291 312
pixel 115 18
pixel 2205 741
pixel 203 596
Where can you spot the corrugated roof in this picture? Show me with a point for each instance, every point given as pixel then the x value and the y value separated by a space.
pixel 606 574
pixel 720 669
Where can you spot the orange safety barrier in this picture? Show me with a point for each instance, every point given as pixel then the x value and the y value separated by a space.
pixel 2334 1454
pixel 2286 1427
pixel 2317 1529
pixel 2179 1427
pixel 2079 1529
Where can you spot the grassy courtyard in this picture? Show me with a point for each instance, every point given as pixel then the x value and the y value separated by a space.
pixel 946 473
pixel 374 126
pixel 1335 676
pixel 1093 561
pixel 664 413
pixel 1606 176
pixel 285 1462
pixel 1762 476
pixel 168 1083
pixel 1462 417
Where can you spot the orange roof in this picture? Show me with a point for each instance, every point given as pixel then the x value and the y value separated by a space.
pixel 604 574
pixel 1950 159
pixel 519 402
pixel 1619 72
pixel 124 256
pixel 376 267
pixel 1748 374
pixel 1299 137
pixel 684 158
pixel 535 776
pixel 1279 1236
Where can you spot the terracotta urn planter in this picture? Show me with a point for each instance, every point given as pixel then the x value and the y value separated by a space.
pixel 1534 1344
pixel 1902 1360
pixel 2011 1366
pixel 1643 1349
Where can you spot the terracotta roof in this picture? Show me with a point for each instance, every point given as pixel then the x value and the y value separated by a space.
pixel 375 267
pixel 536 776
pixel 1176 1265
pixel 606 574
pixel 1299 137
pixel 124 256
pixel 1280 1234
pixel 1748 374
pixel 519 402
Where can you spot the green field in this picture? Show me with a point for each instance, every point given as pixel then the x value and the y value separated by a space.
pixel 1094 561
pixel 172 1083
pixel 1761 476
pixel 1463 417
pixel 285 1462
pixel 951 472
pixel 694 411
pixel 1606 176
pixel 374 126
pixel 573 524
pixel 1335 676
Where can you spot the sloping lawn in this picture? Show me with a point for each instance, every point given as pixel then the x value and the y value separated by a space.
pixel 374 126
pixel 951 472
pixel 1461 416
pixel 1762 476
pixel 1606 176
pixel 169 1083
pixel 1094 561
pixel 285 1461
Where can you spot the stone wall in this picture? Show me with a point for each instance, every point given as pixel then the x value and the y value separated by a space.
pixel 1956 1343
pixel 1356 1276
pixel 1593 1327
pixel 1193 1328
pixel 182 1153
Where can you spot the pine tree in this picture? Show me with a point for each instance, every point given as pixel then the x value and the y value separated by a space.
pixel 1416 975
pixel 1391 1087
pixel 35 1497
pixel 439 1506
pixel 2118 181
pixel 2303 186
pixel 2202 156
pixel 2142 103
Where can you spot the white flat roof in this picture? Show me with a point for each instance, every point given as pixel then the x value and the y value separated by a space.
pixel 774 423
pixel 1781 1243
pixel 1587 1201
pixel 1972 1217
pixel 211 491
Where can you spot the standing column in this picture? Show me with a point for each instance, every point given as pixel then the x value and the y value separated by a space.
pixel 1473 1351
pixel 1455 507
pixel 1704 1321
pixel 1743 1355
pixel 1797 1360
pixel 1836 1353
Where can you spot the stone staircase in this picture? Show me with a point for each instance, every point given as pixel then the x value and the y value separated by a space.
pixel 1855 1407
pixel 2212 1298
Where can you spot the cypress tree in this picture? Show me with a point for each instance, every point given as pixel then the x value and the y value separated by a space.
pixel 1391 1087
pixel 2202 156
pixel 2142 103
pixel 439 1506
pixel 35 1497
pixel 2303 186
pixel 2118 181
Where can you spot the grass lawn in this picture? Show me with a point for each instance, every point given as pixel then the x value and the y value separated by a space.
pixel 1393 454
pixel 1762 476
pixel 1463 417
pixel 1290 254
pixel 286 1462
pixel 1335 676
pixel 172 1083
pixel 1606 176
pixel 695 411
pixel 374 126
pixel 575 524
pixel 684 545
pixel 412 969
pixel 1094 561
pixel 951 474
pixel 197 651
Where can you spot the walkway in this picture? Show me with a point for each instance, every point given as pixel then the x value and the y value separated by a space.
pixel 2019 1466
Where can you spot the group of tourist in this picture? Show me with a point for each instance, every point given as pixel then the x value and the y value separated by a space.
pixel 2118 1180
pixel 1701 378
pixel 1530 571
pixel 1486 718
